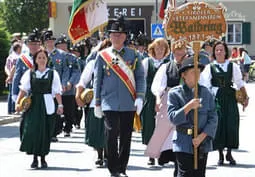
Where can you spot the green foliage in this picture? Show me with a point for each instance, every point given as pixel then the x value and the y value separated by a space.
pixel 25 15
pixel 4 51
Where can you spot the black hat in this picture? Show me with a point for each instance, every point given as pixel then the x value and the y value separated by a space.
pixel 142 39
pixel 118 25
pixel 209 42
pixel 34 36
pixel 76 47
pixel 189 63
pixel 48 35
pixel 62 39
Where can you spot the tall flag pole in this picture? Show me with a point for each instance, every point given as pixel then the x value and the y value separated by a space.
pixel 87 16
pixel 165 4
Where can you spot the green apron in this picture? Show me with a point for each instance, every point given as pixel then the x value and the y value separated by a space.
pixel 95 136
pixel 38 126
pixel 227 134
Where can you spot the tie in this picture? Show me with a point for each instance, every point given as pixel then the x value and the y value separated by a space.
pixel 121 52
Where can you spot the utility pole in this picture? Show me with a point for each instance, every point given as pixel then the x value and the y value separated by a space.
pixel 156 11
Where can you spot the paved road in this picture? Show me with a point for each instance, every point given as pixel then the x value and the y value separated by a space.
pixel 71 157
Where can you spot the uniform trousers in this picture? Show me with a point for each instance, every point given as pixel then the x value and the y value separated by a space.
pixel 69 112
pixel 118 125
pixel 185 163
pixel 11 103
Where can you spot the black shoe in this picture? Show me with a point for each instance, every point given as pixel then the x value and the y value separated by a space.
pixel 151 161
pixel 160 162
pixel 67 134
pixel 99 162
pixel 34 164
pixel 221 159
pixel 115 175
pixel 44 164
pixel 54 139
pixel 230 159
pixel 123 174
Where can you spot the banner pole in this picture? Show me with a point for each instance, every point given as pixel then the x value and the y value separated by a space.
pixel 196 49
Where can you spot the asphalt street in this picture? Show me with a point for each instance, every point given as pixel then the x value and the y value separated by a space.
pixel 70 157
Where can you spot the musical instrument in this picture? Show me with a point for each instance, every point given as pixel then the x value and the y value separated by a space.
pixel 87 95
pixel 25 103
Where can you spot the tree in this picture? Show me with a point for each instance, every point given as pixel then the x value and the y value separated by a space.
pixel 25 15
pixel 4 51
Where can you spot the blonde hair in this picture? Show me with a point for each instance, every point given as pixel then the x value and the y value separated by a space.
pixel 179 44
pixel 158 41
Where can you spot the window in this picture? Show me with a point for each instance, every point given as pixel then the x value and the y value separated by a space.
pixel 234 34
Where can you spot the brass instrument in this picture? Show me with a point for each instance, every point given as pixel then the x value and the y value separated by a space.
pixel 240 97
pixel 87 96
pixel 25 103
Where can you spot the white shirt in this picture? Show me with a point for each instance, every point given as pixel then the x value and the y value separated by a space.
pixel 56 88
pixel 156 64
pixel 159 83
pixel 206 76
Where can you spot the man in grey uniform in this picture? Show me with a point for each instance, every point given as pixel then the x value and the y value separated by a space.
pixel 119 87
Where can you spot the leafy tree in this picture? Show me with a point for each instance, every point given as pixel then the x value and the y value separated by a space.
pixel 25 15
pixel 4 51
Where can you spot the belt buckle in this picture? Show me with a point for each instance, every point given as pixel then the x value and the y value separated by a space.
pixel 189 131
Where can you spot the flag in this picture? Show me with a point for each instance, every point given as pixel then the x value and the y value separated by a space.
pixel 87 16
pixel 166 4
pixel 162 9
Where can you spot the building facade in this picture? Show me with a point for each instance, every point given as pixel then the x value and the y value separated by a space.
pixel 142 13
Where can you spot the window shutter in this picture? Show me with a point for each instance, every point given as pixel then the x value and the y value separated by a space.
pixel 246 33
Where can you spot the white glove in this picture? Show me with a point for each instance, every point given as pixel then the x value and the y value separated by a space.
pixel 98 112
pixel 139 105
pixel 14 98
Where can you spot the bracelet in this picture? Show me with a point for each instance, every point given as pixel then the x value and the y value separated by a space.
pixel 60 106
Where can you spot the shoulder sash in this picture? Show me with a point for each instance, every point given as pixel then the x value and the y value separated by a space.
pixel 121 69
pixel 26 61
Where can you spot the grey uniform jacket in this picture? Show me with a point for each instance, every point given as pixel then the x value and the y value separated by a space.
pixel 207 117
pixel 20 69
pixel 110 91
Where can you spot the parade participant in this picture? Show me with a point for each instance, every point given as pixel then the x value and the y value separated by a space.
pixel 43 84
pixel 57 61
pixel 181 105
pixel 141 44
pixel 94 132
pixel 119 88
pixel 71 80
pixel 166 77
pixel 158 52
pixel 205 55
pixel 25 61
pixel 9 70
pixel 220 77
pixel 76 50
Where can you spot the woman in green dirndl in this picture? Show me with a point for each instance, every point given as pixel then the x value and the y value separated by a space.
pixel 219 76
pixel 94 132
pixel 39 119
pixel 158 54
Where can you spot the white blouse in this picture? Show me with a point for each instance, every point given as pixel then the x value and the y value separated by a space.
pixel 86 77
pixel 206 76
pixel 156 63
pixel 159 83
pixel 56 88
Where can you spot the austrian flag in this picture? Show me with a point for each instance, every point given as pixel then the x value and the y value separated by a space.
pixel 87 16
